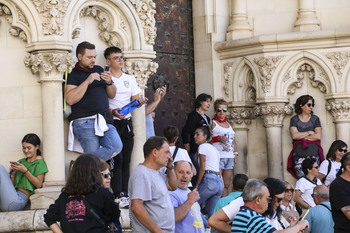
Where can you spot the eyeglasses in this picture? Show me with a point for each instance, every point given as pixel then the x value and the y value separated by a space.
pixel 279 199
pixel 343 150
pixel 312 195
pixel 316 167
pixel 221 109
pixel 116 58
pixel 309 105
pixel 289 190
pixel 106 174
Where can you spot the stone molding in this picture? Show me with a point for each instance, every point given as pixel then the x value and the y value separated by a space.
pixel 339 61
pixel 227 76
pixel 273 115
pixel 146 9
pixel 50 62
pixel 241 115
pixel 339 108
pixel 267 67
pixel 52 13
pixel 14 31
pixel 141 70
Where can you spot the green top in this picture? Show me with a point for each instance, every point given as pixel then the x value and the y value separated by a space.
pixel 36 167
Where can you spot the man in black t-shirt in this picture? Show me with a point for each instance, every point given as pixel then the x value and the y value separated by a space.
pixel 339 195
pixel 87 91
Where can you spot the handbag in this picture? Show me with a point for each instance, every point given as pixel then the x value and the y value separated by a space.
pixel 113 227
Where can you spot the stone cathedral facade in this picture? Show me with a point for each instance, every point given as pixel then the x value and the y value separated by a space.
pixel 259 55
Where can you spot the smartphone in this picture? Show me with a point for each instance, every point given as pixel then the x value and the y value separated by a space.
pixel 107 68
pixel 13 162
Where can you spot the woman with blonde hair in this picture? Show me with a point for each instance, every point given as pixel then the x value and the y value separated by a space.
pixel 289 211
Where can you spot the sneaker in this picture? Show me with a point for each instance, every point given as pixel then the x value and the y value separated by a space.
pixel 123 202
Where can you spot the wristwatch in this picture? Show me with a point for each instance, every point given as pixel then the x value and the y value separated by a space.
pixel 110 83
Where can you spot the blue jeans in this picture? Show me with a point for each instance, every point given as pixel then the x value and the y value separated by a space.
pixel 103 147
pixel 210 190
pixel 10 198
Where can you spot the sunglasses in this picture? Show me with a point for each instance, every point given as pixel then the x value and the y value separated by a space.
pixel 343 150
pixel 221 109
pixel 289 190
pixel 269 199
pixel 309 105
pixel 279 199
pixel 106 174
pixel 316 167
pixel 312 195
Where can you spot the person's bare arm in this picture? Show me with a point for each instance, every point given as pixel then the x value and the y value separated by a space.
pixel 182 210
pixel 75 93
pixel 142 99
pixel 321 175
pixel 299 200
pixel 157 97
pixel 55 228
pixel 37 181
pixel 110 89
pixel 346 211
pixel 172 180
pixel 296 135
pixel 194 170
pixel 295 229
pixel 219 221
pixel 316 135
pixel 202 161
pixel 142 215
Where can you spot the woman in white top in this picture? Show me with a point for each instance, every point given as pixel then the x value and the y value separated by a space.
pixel 209 183
pixel 331 165
pixel 224 141
pixel 306 184
pixel 289 211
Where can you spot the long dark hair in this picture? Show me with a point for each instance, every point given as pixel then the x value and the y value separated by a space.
pixel 33 139
pixel 275 187
pixel 85 177
pixel 337 144
pixel 344 162
pixel 206 131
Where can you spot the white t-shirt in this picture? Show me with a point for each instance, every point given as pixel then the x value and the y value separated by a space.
pixel 181 154
pixel 232 209
pixel 225 149
pixel 126 88
pixel 332 173
pixel 307 188
pixel 212 156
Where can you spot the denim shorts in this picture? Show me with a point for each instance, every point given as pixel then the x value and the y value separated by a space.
pixel 227 163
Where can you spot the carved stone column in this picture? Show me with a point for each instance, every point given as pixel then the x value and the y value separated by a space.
pixel 272 115
pixel 239 26
pixel 51 67
pixel 141 69
pixel 340 110
pixel 307 18
pixel 240 118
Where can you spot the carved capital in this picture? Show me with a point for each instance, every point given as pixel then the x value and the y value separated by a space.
pixel 146 9
pixel 273 115
pixel 267 67
pixel 52 14
pixel 339 61
pixel 241 115
pixel 340 109
pixel 51 62
pixel 141 70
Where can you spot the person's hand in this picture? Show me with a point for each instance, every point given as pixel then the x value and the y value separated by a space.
pixel 18 167
pixel 117 114
pixel 92 77
pixel 107 77
pixel 170 164
pixel 162 91
pixel 292 220
pixel 193 195
pixel 303 224
pixel 143 99
pixel 223 139
pixel 236 159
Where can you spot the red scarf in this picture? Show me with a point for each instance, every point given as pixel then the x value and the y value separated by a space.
pixel 218 120
pixel 78 67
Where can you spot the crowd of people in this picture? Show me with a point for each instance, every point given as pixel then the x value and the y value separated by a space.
pixel 176 189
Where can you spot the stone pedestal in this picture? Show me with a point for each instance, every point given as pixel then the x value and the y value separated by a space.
pixel 307 18
pixel 239 26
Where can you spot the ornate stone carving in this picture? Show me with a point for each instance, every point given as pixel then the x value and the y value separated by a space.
pixel 14 31
pixel 339 61
pixel 141 70
pixel 75 33
pixel 240 115
pixel 52 12
pixel 267 67
pixel 227 76
pixel 146 10
pixel 49 62
pixel 104 25
pixel 340 109
pixel 273 115
pixel 251 91
pixel 318 84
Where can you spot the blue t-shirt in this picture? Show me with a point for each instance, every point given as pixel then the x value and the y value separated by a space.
pixel 250 221
pixel 320 219
pixel 192 222
pixel 224 201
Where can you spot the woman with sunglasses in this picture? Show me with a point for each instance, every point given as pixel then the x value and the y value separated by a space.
pixel 289 211
pixel 305 130
pixel 330 166
pixel 106 174
pixel 224 141
pixel 306 184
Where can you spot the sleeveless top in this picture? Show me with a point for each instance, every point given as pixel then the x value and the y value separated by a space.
pixel 226 149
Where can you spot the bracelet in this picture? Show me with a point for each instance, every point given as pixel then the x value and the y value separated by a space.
pixel 236 153
pixel 26 172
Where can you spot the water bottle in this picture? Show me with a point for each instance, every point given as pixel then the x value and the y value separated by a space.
pixel 228 137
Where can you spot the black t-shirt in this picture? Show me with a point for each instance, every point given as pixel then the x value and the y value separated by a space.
pixel 95 99
pixel 339 196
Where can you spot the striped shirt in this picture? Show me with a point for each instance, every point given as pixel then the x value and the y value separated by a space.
pixel 248 220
